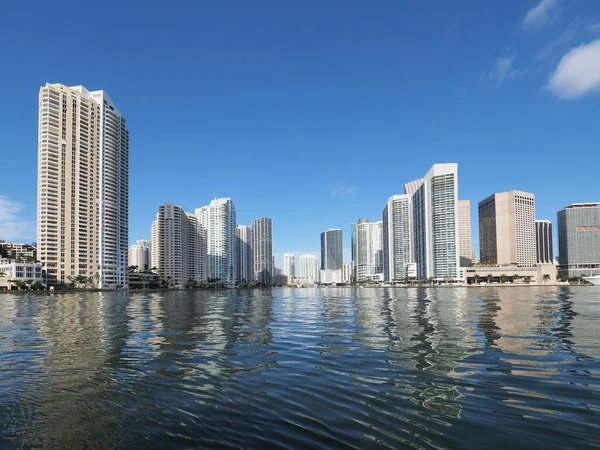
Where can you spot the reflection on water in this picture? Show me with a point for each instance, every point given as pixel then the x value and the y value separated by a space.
pixel 302 368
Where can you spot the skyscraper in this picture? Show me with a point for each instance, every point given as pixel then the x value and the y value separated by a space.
pixel 434 200
pixel 309 268
pixel 289 265
pixel 220 221
pixel 139 256
pixel 507 229
pixel 543 239
pixel 83 185
pixel 579 240
pixel 263 250
pixel 397 238
pixel 244 253
pixel 179 245
pixel 332 254
pixel 369 250
pixel 465 250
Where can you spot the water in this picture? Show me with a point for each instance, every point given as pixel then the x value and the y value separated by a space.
pixel 284 368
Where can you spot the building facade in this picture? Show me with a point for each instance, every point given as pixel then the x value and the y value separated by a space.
pixel 289 265
pixel 219 219
pixel 465 250
pixel 83 186
pixel 369 250
pixel 244 253
pixel 397 237
pixel 139 256
pixel 332 252
pixel 434 200
pixel 17 270
pixel 346 273
pixel 263 250
pixel 11 250
pixel 507 229
pixel 543 240
pixel 579 240
pixel 309 269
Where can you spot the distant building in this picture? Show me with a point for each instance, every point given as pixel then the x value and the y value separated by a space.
pixel 11 250
pixel 263 250
pixel 17 270
pixel 579 239
pixel 434 200
pixel 139 256
pixel 309 269
pixel 346 273
pixel 332 252
pixel 543 239
pixel 369 250
pixel 289 265
pixel 352 251
pixel 465 251
pixel 507 229
pixel 331 276
pixel 244 253
pixel 147 244
pixel 397 237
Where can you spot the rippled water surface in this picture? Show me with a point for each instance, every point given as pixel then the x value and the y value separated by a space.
pixel 512 367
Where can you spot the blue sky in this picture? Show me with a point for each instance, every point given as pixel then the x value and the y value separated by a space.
pixel 313 113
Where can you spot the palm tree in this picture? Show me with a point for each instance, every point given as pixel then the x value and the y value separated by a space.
pixel 154 269
pixel 546 277
pixel 70 278
pixel 516 277
pixel 490 278
pixel 144 280
pixel 527 279
pixel 503 278
pixel 477 277
pixel 97 278
pixel 132 268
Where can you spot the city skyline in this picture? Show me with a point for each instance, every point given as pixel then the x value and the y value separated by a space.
pixel 312 94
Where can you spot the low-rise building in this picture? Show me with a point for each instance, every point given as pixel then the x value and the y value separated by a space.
pixel 12 271
pixel 11 250
pixel 543 274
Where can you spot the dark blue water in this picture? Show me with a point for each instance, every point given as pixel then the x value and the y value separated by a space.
pixel 512 367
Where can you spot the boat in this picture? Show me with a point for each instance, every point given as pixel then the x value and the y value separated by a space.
pixel 594 279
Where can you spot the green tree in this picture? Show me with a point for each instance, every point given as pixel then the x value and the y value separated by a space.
pixel 546 277
pixel 144 280
pixel 503 278
pixel 516 277
pixel 490 278
pixel 476 277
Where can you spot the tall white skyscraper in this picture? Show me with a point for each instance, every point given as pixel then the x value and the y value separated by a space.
pixel 434 201
pixel 289 265
pixel 83 186
pixel 507 229
pixel 397 238
pixel 219 220
pixel 262 230
pixel 244 253
pixel 465 251
pixel 309 268
pixel 369 250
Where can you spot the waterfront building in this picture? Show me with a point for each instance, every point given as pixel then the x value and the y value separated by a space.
pixel 154 246
pixel 465 250
pixel 346 273
pixel 139 256
pixel 244 254
pixel 332 253
pixel 579 239
pixel 543 239
pixel 507 229
pixel 369 250
pixel 289 265
pixel 333 276
pixel 352 251
pixel 219 219
pixel 542 274
pixel 18 270
pixel 12 250
pixel 180 246
pixel 263 250
pixel 309 269
pixel 148 244
pixel 434 200
pixel 83 170
pixel 397 238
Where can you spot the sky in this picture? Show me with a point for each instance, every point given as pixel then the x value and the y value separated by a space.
pixel 313 113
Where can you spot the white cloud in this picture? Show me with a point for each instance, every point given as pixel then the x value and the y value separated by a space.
pixel 593 27
pixel 12 227
pixel 343 190
pixel 540 15
pixel 578 72
pixel 504 70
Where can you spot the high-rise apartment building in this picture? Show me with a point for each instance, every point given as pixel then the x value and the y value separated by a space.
pixel 434 200
pixel 543 240
pixel 352 252
pixel 289 265
pixel 465 250
pixel 507 229
pixel 179 246
pixel 346 273
pixel 139 256
pixel 332 253
pixel 219 219
pixel 309 268
pixel 263 250
pixel 83 185
pixel 397 238
pixel 369 250
pixel 579 240
pixel 244 253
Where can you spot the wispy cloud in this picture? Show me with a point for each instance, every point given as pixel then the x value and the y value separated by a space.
pixel 12 226
pixel 577 73
pixel 593 27
pixel 343 190
pixel 541 15
pixel 504 70
pixel 559 44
